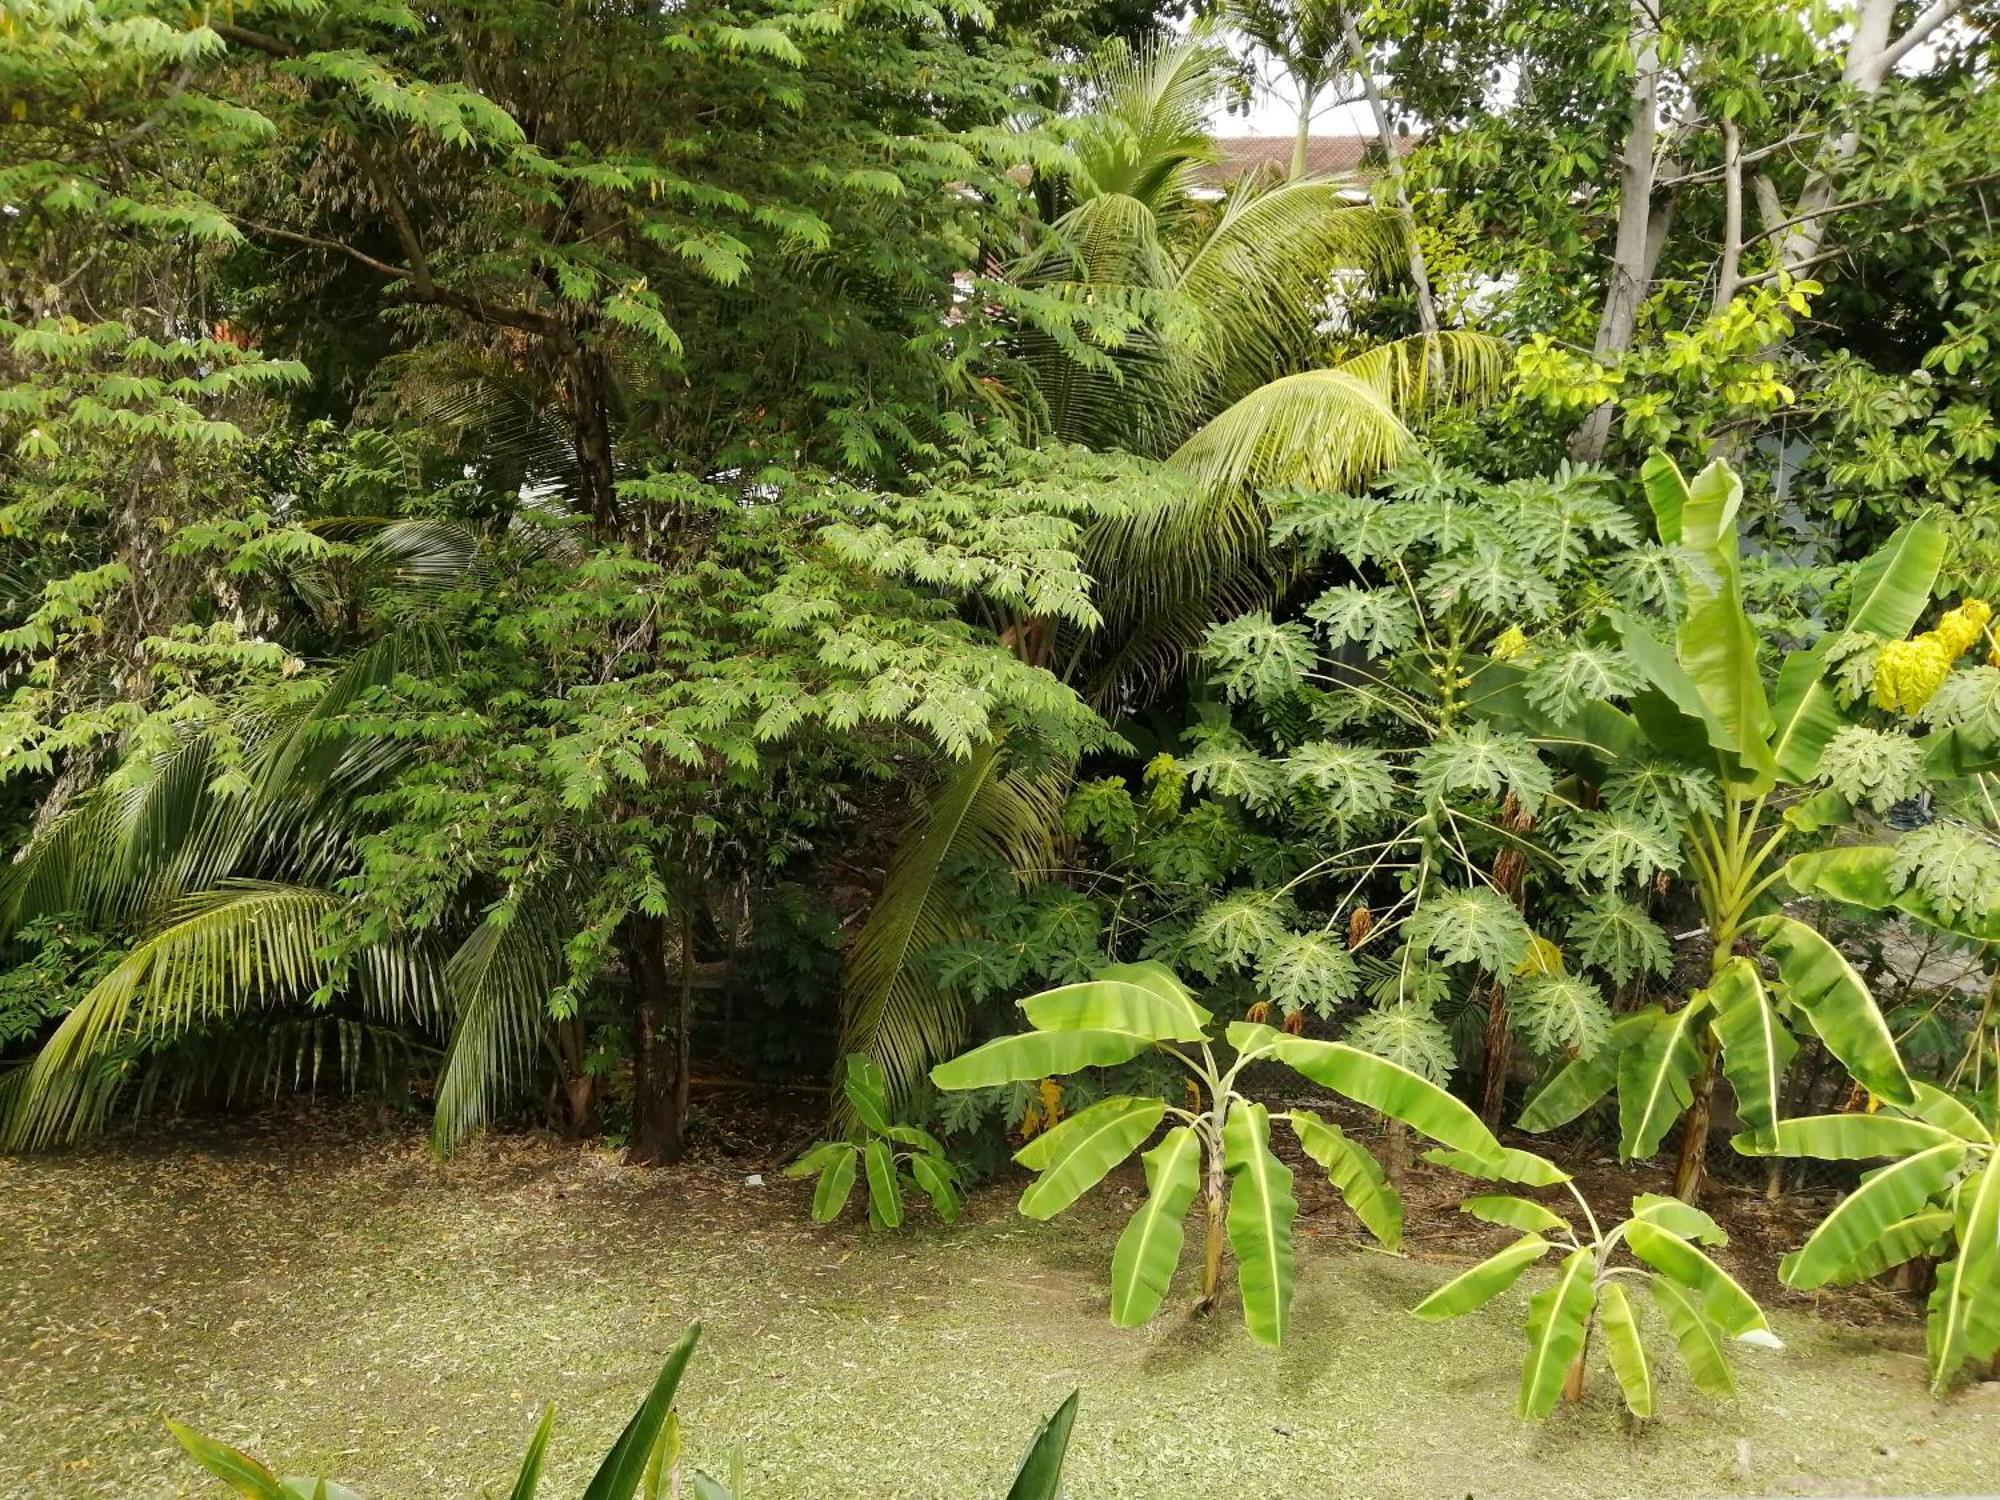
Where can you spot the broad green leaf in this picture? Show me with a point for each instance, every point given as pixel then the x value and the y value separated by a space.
pixel 1557 1319
pixel 1836 1003
pixel 836 1181
pixel 1666 492
pixel 1858 1220
pixel 934 1176
pixel 1484 1282
pixel 1511 1165
pixel 1154 1005
pixel 1978 1331
pixel 867 1091
pixel 1847 1137
pixel 909 1135
pixel 1942 1110
pixel 1261 1210
pixel 242 1473
pixel 1038 1054
pixel 1051 1143
pixel 1698 1339
pixel 1383 1086
pixel 1859 875
pixel 1515 1213
pixel 1892 585
pixel 885 1194
pixel 529 1479
pixel 1920 1234
pixel 818 1158
pixel 1965 1311
pixel 1805 714
pixel 1082 1157
pixel 1149 1251
pixel 1040 1474
pixel 1756 1048
pixel 623 1467
pixel 1732 1308
pixel 1685 1220
pixel 1715 643
pixel 1353 1169
pixel 1582 1081
pixel 1627 1351
pixel 1656 1076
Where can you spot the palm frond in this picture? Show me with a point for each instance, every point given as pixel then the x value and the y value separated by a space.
pixel 1203 553
pixel 224 953
pixel 1149 126
pixel 499 980
pixel 1263 279
pixel 892 1010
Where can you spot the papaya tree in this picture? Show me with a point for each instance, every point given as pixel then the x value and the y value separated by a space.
pixel 1217 1147
pixel 1743 759
pixel 1702 1304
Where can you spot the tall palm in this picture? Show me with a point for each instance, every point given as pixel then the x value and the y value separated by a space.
pixel 1209 353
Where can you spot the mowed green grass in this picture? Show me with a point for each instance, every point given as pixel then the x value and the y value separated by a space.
pixel 323 1293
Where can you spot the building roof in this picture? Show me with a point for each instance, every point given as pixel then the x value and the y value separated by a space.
pixel 1240 156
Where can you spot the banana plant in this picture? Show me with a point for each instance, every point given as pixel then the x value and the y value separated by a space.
pixel 1704 705
pixel 892 1157
pixel 1656 1058
pixel 1937 1195
pixel 645 1462
pixel 1218 1149
pixel 1702 1304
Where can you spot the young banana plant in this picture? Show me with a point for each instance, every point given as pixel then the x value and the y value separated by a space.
pixel 890 1156
pixel 1217 1148
pixel 1702 1305
pixel 1938 1195
pixel 644 1464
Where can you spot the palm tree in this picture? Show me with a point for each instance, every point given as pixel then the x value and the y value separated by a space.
pixel 1210 351
pixel 229 854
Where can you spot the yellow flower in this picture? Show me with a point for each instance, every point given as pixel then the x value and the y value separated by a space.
pixel 1908 672
pixel 1959 629
pixel 1509 643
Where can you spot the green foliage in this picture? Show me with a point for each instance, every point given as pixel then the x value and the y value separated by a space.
pixel 1220 1149
pixel 895 1159
pixel 1701 1302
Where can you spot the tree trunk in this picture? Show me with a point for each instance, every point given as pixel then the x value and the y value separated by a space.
pixel 1493 1087
pixel 1395 1151
pixel 1573 1377
pixel 1301 134
pixel 659 1072
pixel 1420 280
pixel 1216 1200
pixel 579 1089
pixel 1630 272
pixel 1691 1169
pixel 590 431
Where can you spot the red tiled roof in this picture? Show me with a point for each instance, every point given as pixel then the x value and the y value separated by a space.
pixel 1326 155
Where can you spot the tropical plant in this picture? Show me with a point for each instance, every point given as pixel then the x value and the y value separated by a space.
pixel 1938 1197
pixel 1218 1149
pixel 646 1461
pixel 1701 1303
pixel 1734 765
pixel 1206 348
pixel 892 1157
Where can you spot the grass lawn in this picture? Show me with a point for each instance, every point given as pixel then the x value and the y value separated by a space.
pixel 320 1291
